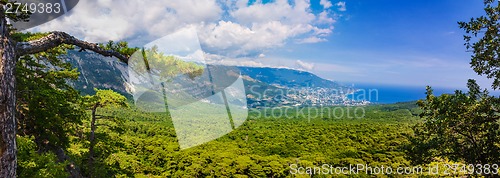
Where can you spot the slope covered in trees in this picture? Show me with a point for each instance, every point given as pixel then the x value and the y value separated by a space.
pixel 145 144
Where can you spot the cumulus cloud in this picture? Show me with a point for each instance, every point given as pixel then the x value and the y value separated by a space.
pixel 104 20
pixel 324 17
pixel 233 39
pixel 341 6
pixel 225 27
pixel 260 26
pixel 326 3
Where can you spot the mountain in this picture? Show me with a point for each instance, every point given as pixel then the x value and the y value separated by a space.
pixel 270 87
pixel 99 72
pixel 287 77
pixel 265 87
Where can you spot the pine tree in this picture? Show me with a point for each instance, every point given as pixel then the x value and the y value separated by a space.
pixel 102 99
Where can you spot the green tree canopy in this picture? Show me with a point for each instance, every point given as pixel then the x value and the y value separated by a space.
pixel 460 127
pixel 47 106
pixel 483 37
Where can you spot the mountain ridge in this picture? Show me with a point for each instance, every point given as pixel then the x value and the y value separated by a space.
pixel 265 86
pixel 287 73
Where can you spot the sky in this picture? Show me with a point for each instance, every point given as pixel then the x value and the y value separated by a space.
pixel 408 43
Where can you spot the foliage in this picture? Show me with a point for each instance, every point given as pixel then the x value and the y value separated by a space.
pixel 146 145
pixel 164 66
pixel 460 127
pixel 28 36
pixel 101 100
pixel 485 57
pixel 105 99
pixel 33 164
pixel 48 108
pixel 464 127
pixel 121 47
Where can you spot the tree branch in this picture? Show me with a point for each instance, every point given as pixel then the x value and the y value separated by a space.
pixel 57 38
pixel 104 117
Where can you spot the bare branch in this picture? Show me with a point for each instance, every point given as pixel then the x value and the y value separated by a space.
pixel 57 38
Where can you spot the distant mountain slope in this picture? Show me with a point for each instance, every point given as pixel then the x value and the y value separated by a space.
pixel 265 87
pixel 99 72
pixel 287 77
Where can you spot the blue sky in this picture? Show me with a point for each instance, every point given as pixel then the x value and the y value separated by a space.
pixel 414 43
pixel 398 42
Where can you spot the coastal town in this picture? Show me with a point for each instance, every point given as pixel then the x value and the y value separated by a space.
pixel 306 97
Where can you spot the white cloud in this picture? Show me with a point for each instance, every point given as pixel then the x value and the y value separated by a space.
pixel 225 27
pixel 280 10
pixel 233 39
pixel 325 3
pixel 324 18
pixel 275 62
pixel 259 27
pixel 304 65
pixel 312 39
pixel 99 21
pixel 322 32
pixel 341 6
pixel 215 59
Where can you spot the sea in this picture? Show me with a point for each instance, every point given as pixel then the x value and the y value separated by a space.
pixel 387 94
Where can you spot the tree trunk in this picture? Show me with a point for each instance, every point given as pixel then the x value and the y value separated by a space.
pixel 92 140
pixel 73 170
pixel 8 159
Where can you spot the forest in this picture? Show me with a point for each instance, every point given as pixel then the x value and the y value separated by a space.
pixel 136 144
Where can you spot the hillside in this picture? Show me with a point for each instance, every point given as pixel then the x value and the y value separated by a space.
pixel 287 77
